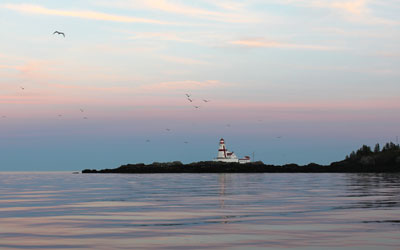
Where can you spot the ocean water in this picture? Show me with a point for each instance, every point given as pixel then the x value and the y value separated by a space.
pixel 197 211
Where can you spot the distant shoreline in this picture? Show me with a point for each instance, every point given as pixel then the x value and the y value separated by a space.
pixel 364 160
pixel 255 167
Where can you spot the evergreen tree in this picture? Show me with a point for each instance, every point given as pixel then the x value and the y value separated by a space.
pixel 390 146
pixel 377 148
pixel 386 147
pixel 363 151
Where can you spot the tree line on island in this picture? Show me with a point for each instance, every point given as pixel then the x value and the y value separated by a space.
pixel 363 160
pixel 365 151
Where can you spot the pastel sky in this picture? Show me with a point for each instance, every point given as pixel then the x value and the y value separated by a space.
pixel 293 81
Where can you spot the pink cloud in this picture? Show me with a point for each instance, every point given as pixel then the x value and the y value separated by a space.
pixel 349 105
pixel 13 67
pixel 351 10
pixel 183 60
pixel 181 85
pixel 166 36
pixel 25 99
pixel 355 7
pixel 125 105
pixel 84 14
pixel 263 43
pixel 236 16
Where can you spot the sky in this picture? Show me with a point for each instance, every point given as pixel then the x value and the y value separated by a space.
pixel 290 81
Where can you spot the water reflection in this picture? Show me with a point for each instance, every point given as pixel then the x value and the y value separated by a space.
pixel 378 192
pixel 194 211
pixel 222 184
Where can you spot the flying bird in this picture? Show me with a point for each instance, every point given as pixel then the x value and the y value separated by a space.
pixel 85 118
pixel 147 140
pixel 186 142
pixel 59 33
pixel 279 137
pixel 187 95
pixel 196 107
pixel 168 129
pixel 3 116
pixel 81 110
pixel 22 88
pixel 204 100
pixel 190 100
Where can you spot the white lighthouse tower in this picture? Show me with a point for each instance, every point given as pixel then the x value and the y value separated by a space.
pixel 226 156
pixel 222 149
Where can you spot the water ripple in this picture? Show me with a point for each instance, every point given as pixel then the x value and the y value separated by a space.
pixel 195 211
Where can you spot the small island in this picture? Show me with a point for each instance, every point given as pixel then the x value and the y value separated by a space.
pixel 364 160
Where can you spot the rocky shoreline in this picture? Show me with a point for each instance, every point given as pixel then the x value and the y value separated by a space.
pixel 255 167
pixel 363 160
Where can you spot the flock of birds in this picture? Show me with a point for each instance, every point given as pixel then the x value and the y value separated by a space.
pixel 188 97
pixel 191 100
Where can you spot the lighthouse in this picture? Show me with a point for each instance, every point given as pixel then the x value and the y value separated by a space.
pixel 222 149
pixel 226 156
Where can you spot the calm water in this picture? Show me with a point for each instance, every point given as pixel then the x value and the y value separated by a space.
pixel 195 211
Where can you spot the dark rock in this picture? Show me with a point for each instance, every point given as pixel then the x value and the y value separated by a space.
pixel 387 160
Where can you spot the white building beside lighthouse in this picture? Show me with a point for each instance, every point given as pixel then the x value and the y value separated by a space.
pixel 226 156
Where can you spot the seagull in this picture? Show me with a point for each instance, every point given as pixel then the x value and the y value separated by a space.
pixel 168 129
pixel 190 100
pixel 59 33
pixel 228 125
pixel 186 142
pixel 147 140
pixel 196 107
pixel 187 95
pixel 3 116
pixel 81 110
pixel 22 88
pixel 204 100
pixel 85 118
pixel 279 137
pixel 59 115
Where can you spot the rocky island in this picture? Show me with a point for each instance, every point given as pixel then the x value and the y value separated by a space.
pixel 364 160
